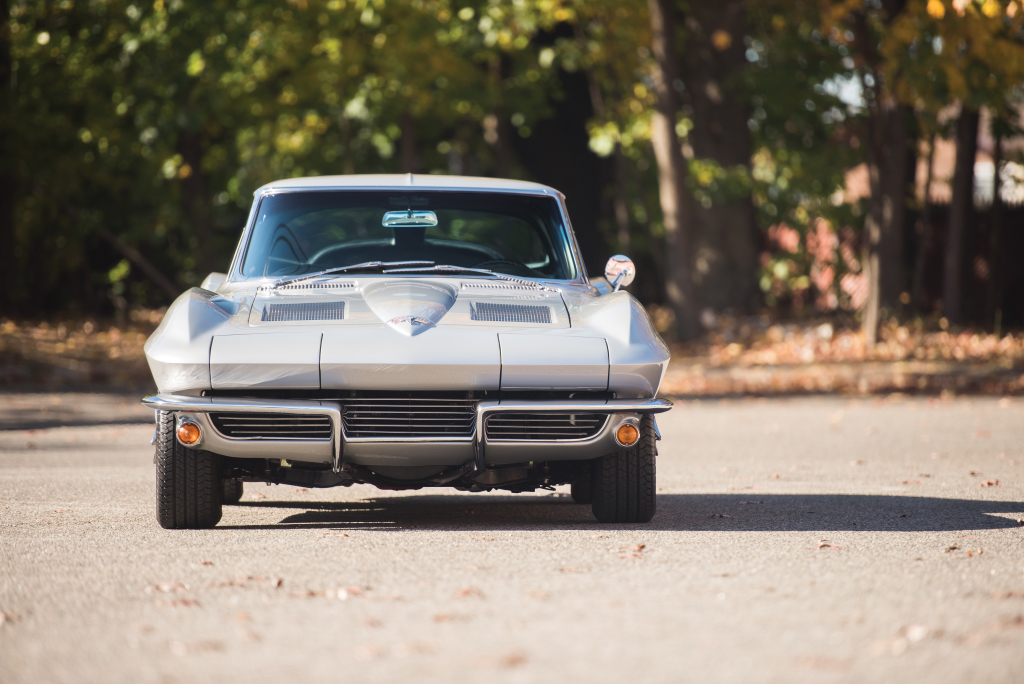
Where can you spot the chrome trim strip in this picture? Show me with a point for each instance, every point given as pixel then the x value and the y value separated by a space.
pixel 183 404
pixel 205 405
pixel 485 408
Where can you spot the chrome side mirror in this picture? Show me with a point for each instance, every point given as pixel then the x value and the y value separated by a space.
pixel 619 271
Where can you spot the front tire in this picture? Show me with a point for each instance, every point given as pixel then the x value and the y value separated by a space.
pixel 189 488
pixel 624 483
pixel 580 490
pixel 232 492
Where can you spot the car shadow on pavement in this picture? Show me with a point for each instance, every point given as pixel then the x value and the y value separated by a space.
pixel 681 512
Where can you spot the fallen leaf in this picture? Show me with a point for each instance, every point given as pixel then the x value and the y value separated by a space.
pixel 248 635
pixel 207 563
pixel 368 652
pixel 990 483
pixel 952 548
pixel 166 587
pixel 973 552
pixel 512 660
pixel 825 544
pixel 915 633
pixel 975 473
pixel 182 648
pixel 8 617
pixel 307 593
pixel 450 617
pixel 909 482
pixel 776 476
pixel 332 534
pixel 185 602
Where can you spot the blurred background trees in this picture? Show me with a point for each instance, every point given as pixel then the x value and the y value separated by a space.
pixel 812 157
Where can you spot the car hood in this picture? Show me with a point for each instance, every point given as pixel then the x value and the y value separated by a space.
pixel 407 333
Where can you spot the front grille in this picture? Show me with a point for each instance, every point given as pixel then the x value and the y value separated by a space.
pixel 272 425
pixel 409 417
pixel 304 311
pixel 511 313
pixel 543 427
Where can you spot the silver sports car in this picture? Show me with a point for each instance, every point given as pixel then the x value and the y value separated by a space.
pixel 406 332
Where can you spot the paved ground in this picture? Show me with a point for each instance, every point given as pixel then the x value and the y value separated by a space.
pixel 811 540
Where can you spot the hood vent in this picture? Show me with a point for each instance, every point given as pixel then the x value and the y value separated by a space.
pixel 318 285
pixel 303 311
pixel 511 313
pixel 497 287
pixel 326 285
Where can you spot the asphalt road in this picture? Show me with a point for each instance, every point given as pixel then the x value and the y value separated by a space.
pixel 810 540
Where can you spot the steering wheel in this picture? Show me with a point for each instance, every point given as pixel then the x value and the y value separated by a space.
pixel 509 262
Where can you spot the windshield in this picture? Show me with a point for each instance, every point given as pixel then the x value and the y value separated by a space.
pixel 297 233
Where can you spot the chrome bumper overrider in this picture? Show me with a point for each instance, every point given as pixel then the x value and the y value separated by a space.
pixel 402 451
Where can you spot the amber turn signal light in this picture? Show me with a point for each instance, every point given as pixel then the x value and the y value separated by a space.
pixel 189 434
pixel 627 434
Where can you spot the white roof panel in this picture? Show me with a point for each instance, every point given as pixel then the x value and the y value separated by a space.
pixel 411 180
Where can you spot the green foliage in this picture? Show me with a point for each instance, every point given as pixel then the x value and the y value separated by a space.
pixel 151 124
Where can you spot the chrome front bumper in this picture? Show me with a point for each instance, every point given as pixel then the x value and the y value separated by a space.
pixel 407 451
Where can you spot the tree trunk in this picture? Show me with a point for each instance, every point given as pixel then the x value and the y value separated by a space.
pixel 8 172
pixel 196 198
pixel 145 265
pixel 620 201
pixel 725 234
pixel 884 225
pixel 674 195
pixel 620 196
pixel 961 211
pixel 994 304
pixel 924 234
pixel 408 159
pixel 349 164
pixel 892 278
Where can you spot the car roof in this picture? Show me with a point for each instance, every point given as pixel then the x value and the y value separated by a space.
pixel 414 180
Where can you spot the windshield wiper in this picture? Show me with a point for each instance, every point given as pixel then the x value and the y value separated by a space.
pixel 448 268
pixel 354 267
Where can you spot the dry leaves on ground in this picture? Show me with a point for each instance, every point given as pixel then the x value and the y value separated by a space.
pixel 166 587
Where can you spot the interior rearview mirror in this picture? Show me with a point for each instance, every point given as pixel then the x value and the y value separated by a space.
pixel 619 271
